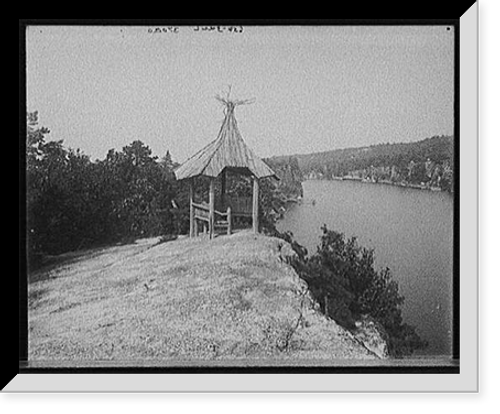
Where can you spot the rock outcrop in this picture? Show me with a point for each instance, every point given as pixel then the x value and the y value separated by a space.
pixel 231 300
pixel 372 335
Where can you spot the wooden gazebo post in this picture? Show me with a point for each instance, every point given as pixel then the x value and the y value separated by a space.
pixel 211 205
pixel 223 189
pixel 255 205
pixel 191 209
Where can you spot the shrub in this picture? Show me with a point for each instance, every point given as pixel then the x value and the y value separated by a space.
pixel 342 278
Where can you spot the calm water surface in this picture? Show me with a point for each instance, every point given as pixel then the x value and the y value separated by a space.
pixel 411 232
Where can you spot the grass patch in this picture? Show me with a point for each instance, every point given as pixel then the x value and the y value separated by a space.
pixel 35 297
pixel 125 283
pixel 239 302
pixel 66 307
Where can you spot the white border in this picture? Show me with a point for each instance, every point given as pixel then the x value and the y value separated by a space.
pixel 466 381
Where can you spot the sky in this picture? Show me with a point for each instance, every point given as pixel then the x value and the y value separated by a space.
pixel 316 88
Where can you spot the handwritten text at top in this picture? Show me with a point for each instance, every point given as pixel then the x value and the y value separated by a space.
pixel 177 29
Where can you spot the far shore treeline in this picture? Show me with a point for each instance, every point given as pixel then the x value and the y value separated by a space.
pixel 427 163
pixel 75 203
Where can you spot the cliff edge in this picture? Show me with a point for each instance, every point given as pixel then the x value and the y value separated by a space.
pixel 190 301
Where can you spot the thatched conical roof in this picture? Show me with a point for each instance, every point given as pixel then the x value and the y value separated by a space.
pixel 228 150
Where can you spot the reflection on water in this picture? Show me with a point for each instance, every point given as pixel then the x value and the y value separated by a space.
pixel 411 232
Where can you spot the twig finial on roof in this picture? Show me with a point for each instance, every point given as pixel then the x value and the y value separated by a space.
pixel 231 103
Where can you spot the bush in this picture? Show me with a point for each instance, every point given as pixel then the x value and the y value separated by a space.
pixel 342 279
pixel 73 202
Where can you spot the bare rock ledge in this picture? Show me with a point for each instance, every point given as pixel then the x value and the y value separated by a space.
pixel 189 301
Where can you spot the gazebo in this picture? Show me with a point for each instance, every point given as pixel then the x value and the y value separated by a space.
pixel 227 153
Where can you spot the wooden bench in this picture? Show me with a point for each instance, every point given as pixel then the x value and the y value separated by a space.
pixel 220 220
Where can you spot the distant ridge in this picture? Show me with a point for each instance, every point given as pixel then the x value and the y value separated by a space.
pixel 425 162
pixel 305 159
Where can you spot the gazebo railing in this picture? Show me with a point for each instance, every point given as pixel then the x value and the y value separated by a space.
pixel 219 212
pixel 201 211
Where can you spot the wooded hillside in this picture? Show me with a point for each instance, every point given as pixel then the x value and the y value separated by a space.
pixel 429 162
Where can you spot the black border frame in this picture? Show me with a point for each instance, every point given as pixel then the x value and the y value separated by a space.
pixel 23 364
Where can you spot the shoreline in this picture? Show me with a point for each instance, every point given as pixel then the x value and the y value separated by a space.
pixel 383 182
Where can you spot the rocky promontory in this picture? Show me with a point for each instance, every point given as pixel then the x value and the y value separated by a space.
pixel 230 300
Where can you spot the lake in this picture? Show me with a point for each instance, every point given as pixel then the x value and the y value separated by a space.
pixel 412 234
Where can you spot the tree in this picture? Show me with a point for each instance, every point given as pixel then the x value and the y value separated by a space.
pixel 342 278
pixel 47 166
pixel 73 202
pixel 59 193
pixel 35 181
pixel 142 192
